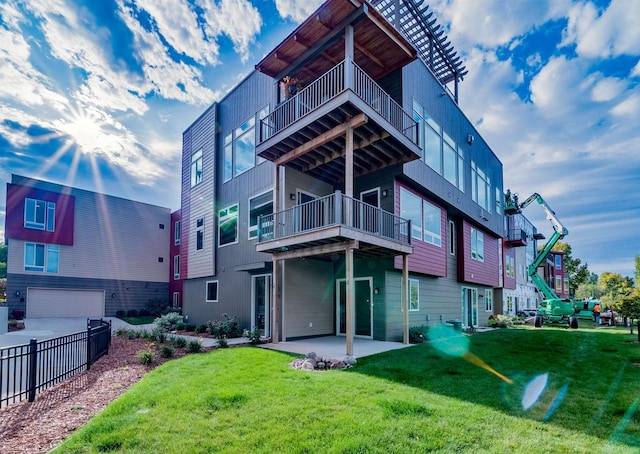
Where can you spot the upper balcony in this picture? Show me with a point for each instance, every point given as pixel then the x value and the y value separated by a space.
pixel 323 226
pixel 516 238
pixel 342 54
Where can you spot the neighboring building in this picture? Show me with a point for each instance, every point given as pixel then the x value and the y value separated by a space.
pixel 554 275
pixel 76 253
pixel 358 203
pixel 520 249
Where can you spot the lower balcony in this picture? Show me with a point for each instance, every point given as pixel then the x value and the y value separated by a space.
pixel 516 238
pixel 330 224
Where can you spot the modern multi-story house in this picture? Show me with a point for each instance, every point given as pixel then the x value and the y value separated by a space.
pixel 76 253
pixel 339 189
pixel 554 273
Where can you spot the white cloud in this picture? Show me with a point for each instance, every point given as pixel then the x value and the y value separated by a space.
pixel 607 89
pixel 491 23
pixel 607 33
pixel 297 10
pixel 635 72
pixel 238 19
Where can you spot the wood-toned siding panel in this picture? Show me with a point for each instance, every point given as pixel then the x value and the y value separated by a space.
pixel 202 196
pixel 474 271
pixel 309 294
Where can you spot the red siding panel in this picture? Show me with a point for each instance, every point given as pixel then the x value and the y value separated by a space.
pixel 426 258
pixel 470 270
pixel 64 215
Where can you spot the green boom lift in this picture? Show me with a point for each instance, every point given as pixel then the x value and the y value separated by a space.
pixel 552 308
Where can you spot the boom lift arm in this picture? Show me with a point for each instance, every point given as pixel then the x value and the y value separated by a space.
pixel 512 206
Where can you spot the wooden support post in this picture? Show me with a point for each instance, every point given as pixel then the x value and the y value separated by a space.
pixel 405 301
pixel 350 302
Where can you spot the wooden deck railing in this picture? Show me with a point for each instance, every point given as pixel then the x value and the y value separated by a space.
pixel 333 210
pixel 327 87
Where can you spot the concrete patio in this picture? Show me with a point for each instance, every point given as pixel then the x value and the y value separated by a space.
pixel 335 346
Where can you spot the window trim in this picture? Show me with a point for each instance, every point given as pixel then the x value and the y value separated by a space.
pixel 417 285
pixel 252 228
pixel 206 292
pixel 177 233
pixel 47 249
pixel 475 243
pixel 48 214
pixel 488 300
pixel 176 267
pixel 237 236
pixel 196 178
pixel 452 237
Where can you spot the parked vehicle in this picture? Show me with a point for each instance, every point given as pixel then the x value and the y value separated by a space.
pixel 552 309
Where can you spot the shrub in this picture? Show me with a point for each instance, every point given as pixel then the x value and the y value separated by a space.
pixel 180 326
pixel 254 335
pixel 122 332
pixel 166 351
pixel 17 314
pixel 228 327
pixel 223 342
pixel 194 346
pixel 159 335
pixel 144 313
pixel 168 322
pixel 12 323
pixel 132 313
pixel 192 327
pixel 145 357
pixel 500 321
pixel 418 334
pixel 170 309
pixel 201 329
pixel 120 313
pixel 156 306
pixel 179 342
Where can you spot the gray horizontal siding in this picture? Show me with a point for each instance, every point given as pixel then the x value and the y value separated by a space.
pixel 128 294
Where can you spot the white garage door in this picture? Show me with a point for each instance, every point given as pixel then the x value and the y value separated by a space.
pixel 47 302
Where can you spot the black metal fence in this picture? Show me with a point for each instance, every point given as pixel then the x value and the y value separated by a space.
pixel 28 369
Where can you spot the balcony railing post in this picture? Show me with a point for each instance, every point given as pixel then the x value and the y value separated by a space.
pixel 338 207
pixel 33 366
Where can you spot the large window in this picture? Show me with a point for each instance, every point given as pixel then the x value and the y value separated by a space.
pixel 488 300
pixel 481 187
pixel 196 168
pixel 39 215
pixel 477 245
pixel 212 292
pixel 228 225
pixel 559 284
pixel 259 206
pixel 440 151
pixel 240 147
pixel 558 262
pixel 41 257
pixel 432 223
pixel 426 219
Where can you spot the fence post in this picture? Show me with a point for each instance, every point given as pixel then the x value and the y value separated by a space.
pixel 33 365
pixel 88 345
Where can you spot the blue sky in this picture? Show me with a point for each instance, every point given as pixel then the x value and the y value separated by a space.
pixel 96 94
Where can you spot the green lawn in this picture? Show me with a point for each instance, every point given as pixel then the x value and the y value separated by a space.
pixel 144 320
pixel 581 390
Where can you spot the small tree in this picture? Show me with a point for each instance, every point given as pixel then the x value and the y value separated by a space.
pixel 629 306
